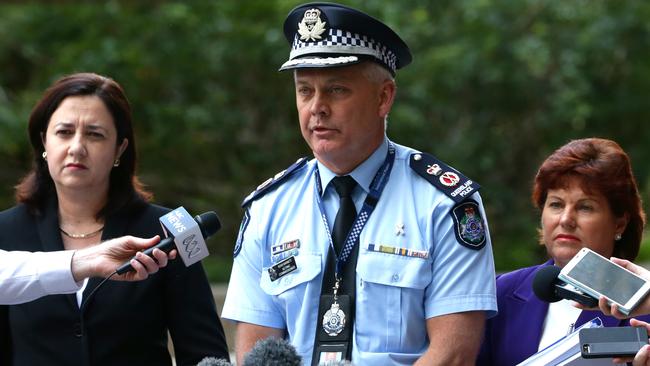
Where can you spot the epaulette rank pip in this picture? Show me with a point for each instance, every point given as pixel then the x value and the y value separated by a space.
pixel 449 180
pixel 274 181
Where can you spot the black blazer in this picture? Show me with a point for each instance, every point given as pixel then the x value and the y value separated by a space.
pixel 124 323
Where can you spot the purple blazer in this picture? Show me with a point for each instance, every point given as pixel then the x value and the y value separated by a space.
pixel 514 334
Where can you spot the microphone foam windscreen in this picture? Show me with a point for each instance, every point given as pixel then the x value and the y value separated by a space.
pixel 209 223
pixel 272 352
pixel 544 284
pixel 213 361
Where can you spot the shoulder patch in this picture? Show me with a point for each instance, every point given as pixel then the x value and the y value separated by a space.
pixel 273 182
pixel 469 226
pixel 447 179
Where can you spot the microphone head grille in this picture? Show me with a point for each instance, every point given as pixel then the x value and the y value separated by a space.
pixel 209 223
pixel 544 283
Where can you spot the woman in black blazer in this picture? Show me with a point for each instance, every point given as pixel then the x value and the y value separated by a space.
pixel 83 187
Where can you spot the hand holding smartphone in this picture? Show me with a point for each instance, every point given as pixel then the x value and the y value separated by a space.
pixel 597 276
pixel 612 342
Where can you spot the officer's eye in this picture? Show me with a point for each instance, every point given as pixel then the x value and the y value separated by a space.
pixel 337 90
pixel 303 90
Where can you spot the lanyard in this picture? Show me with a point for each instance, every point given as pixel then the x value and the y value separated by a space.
pixel 376 188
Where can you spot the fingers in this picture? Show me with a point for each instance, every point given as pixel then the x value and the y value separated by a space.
pixel 621 361
pixel 639 323
pixel 149 263
pixel 632 267
pixel 603 306
pixel 621 262
pixel 642 357
pixel 627 265
pixel 141 243
pixel 610 310
pixel 160 256
pixel 617 313
pixel 140 272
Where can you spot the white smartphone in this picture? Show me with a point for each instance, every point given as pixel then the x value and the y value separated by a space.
pixel 596 275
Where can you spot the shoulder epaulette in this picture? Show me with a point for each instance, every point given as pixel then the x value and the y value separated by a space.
pixel 447 179
pixel 273 182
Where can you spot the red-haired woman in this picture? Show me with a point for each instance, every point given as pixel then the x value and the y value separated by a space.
pixel 588 197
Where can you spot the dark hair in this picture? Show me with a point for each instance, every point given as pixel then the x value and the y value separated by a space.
pixel 601 166
pixel 124 187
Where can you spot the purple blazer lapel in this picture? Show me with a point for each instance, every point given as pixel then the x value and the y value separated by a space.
pixel 533 313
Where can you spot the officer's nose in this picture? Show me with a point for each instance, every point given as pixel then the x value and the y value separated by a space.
pixel 319 105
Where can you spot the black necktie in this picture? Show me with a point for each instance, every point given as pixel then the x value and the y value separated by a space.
pixel 345 217
pixel 347 212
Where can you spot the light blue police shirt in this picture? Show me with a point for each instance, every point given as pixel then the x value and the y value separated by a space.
pixel 396 293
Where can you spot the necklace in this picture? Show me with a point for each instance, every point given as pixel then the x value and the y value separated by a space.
pixel 81 236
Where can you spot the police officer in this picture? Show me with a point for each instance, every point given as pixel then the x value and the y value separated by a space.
pixel 372 251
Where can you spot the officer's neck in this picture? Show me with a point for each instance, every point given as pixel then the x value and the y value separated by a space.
pixel 342 164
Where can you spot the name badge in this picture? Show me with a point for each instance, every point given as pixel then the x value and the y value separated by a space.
pixel 283 268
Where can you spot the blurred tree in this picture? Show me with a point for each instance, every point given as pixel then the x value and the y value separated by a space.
pixel 494 87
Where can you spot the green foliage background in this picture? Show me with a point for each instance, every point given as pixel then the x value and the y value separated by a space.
pixel 495 86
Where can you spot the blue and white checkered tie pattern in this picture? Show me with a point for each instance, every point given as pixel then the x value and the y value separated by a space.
pixel 354 235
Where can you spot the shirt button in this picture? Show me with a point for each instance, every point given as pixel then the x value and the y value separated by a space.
pixel 395 277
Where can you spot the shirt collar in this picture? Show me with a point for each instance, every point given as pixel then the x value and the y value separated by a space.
pixel 362 174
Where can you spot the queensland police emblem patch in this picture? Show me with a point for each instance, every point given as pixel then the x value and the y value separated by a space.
pixel 469 226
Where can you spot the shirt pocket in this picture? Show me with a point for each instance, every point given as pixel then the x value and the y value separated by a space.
pixel 390 307
pixel 308 267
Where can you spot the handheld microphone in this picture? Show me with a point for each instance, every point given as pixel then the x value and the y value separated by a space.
pixel 272 352
pixel 547 287
pixel 185 234
pixel 213 361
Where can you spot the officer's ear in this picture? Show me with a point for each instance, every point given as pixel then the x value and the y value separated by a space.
pixel 386 97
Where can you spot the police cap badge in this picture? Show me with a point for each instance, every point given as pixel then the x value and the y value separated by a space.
pixel 331 35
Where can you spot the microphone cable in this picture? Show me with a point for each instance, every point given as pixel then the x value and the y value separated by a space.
pixel 90 295
pixel 82 326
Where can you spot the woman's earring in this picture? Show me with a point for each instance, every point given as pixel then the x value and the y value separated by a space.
pixel 618 237
pixel 44 155
pixel 116 163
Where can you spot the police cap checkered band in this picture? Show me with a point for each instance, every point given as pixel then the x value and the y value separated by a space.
pixel 330 35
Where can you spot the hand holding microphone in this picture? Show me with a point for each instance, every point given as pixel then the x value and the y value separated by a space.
pixel 185 234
